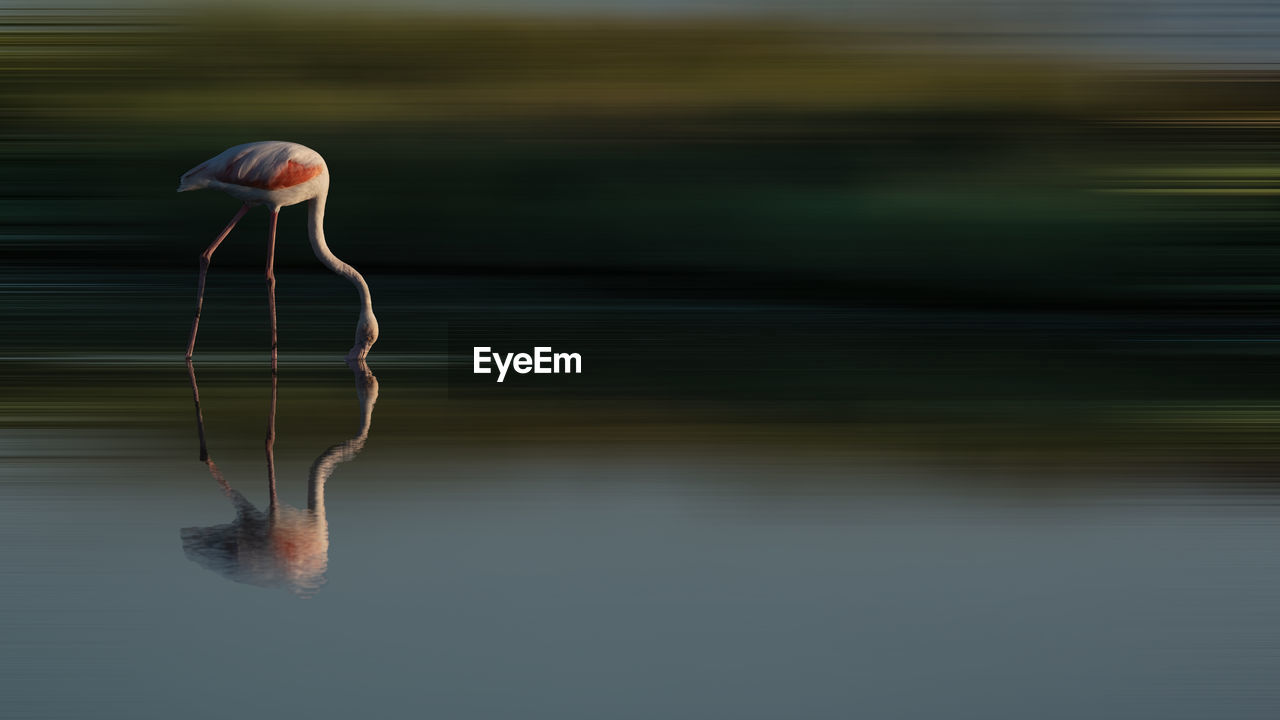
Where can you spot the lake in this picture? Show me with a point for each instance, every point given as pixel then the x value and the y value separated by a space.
pixel 880 513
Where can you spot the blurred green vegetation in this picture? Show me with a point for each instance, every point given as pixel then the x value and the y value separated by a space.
pixel 611 175
pixel 237 64
pixel 813 162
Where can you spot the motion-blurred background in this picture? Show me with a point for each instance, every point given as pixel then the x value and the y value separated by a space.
pixel 1057 200
pixel 1054 152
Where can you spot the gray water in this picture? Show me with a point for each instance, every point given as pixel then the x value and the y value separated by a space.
pixel 706 571
pixel 805 512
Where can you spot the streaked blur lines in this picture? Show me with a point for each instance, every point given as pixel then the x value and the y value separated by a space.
pixel 1210 180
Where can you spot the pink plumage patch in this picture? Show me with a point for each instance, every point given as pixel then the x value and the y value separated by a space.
pixel 293 173
pixel 290 174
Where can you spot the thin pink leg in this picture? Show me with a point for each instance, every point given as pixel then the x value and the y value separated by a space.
pixel 195 393
pixel 271 284
pixel 205 258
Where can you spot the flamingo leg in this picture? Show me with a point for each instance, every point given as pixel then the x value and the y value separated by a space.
pixel 205 258
pixel 195 393
pixel 271 284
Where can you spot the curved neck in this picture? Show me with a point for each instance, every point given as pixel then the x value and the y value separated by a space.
pixel 315 229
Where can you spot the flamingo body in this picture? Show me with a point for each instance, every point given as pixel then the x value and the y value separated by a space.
pixel 277 174
pixel 272 173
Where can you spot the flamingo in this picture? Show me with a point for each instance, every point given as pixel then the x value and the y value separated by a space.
pixel 276 174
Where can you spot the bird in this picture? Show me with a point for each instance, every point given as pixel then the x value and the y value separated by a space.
pixel 277 174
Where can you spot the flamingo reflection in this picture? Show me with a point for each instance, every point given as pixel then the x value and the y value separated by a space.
pixel 283 547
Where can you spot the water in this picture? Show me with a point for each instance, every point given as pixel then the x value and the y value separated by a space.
pixel 876 513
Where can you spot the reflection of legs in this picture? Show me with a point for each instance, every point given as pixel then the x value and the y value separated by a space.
pixel 205 258
pixel 271 284
pixel 204 449
pixel 271 441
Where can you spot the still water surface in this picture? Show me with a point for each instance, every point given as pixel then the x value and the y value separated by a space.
pixel 470 556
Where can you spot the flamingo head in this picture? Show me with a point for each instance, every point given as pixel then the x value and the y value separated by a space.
pixel 366 336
